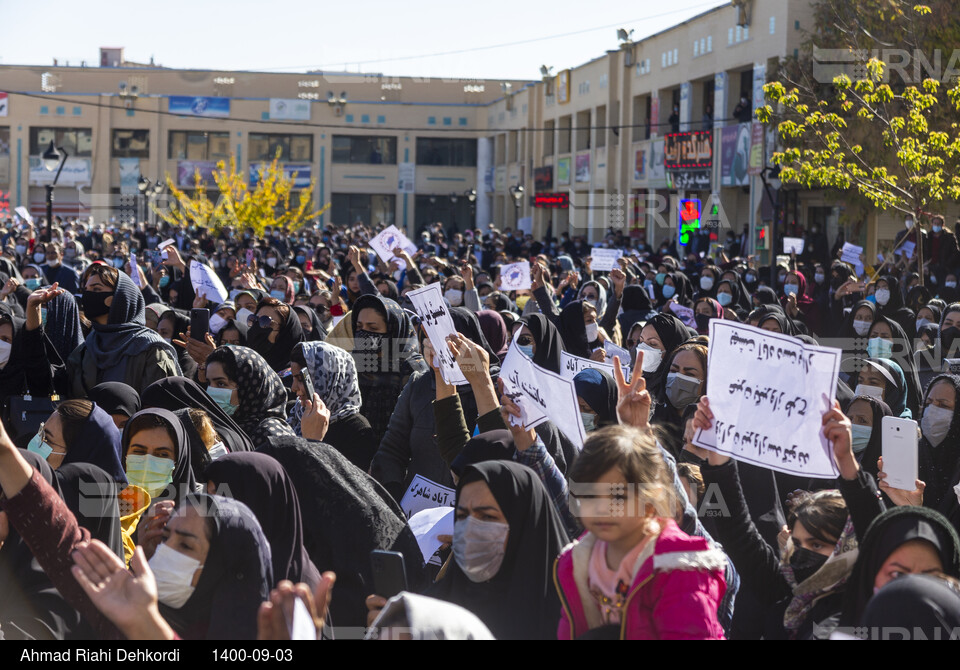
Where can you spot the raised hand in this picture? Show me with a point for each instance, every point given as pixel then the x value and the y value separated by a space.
pixel 275 618
pixel 703 419
pixel 900 497
pixel 473 359
pixel 837 430
pixel 633 406
pixel 315 420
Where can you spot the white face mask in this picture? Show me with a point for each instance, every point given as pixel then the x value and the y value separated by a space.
pixel 216 323
pixel 217 450
pixel 706 283
pixel 651 357
pixel 454 296
pixel 875 391
pixel 272 262
pixel 174 574
pixel 5 348
pixel 882 295
pixel 861 328
pixel 243 314
pixel 593 331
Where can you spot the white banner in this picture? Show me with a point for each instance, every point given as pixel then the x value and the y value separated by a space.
pixel 389 239
pixel 768 393
pixel 571 365
pixel 289 109
pixel 426 494
pixel 515 276
pixel 206 281
pixel 537 392
pixel 406 177
pixel 76 172
pixel 436 320
pixel 794 244
pixel 604 260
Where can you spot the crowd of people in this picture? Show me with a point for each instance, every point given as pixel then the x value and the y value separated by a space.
pixel 160 483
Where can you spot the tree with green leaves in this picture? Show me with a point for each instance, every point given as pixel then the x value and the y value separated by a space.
pixel 889 141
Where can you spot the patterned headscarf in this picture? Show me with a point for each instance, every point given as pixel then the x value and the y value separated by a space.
pixel 334 374
pixel 262 396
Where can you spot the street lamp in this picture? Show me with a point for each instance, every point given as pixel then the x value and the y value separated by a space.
pixel 153 192
pixel 54 158
pixel 517 192
pixel 471 194
pixel 143 185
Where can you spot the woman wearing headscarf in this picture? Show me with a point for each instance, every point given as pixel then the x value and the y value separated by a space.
pixel 347 515
pixel 171 324
pixel 275 332
pixel 31 607
pixel 939 448
pixel 157 455
pixel 636 307
pixel 261 483
pixel 676 287
pixel 495 330
pixel 888 340
pixel 409 447
pixel 62 324
pixel 798 305
pixel 386 352
pixel 888 377
pixel 764 295
pixel 117 399
pixel 912 607
pixel 177 393
pixel 282 289
pixel 598 395
pixel 233 332
pixel 916 537
pixel 119 347
pixel 540 340
pixel 889 299
pixel 705 311
pixel 772 318
pixel 91 494
pixel 658 339
pixel 507 583
pixel 334 376
pixel 244 385
pixel 866 418
pixel 313 330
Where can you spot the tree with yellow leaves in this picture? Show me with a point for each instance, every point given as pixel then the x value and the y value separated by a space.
pixel 267 203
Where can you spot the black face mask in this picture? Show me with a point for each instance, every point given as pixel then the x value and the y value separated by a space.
pixel 703 321
pixel 947 338
pixel 258 338
pixel 805 563
pixel 94 304
pixel 837 282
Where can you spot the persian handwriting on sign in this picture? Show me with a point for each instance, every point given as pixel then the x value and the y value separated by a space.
pixel 426 494
pixel 604 260
pixel 790 382
pixel 436 320
pixel 571 366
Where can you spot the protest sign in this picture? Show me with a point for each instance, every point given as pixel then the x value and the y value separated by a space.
pixel 768 393
pixel 685 314
pixel 24 214
pixel 206 282
pixel 436 320
pixel 515 276
pixel 425 494
pixel 570 365
pixel 793 244
pixel 908 248
pixel 389 239
pixel 851 253
pixel 604 260
pixel 134 274
pixel 427 526
pixel 613 350
pixel 534 389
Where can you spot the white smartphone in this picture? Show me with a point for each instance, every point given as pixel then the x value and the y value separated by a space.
pixel 899 447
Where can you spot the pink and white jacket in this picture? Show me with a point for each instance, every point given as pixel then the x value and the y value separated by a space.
pixel 674 595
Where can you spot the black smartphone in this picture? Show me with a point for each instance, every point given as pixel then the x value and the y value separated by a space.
pixel 389 572
pixel 199 323
pixel 308 389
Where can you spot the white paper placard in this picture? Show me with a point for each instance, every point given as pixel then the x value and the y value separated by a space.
pixel 206 281
pixel 389 239
pixel 794 244
pixel 426 494
pixel 428 525
pixel 768 393
pixel 571 365
pixel 604 260
pixel 685 314
pixel 515 276
pixel 436 320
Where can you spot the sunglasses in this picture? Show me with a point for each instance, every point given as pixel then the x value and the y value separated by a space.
pixel 263 321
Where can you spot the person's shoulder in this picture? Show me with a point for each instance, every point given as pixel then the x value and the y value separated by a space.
pixel 675 550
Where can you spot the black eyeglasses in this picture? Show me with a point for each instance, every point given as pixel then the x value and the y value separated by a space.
pixel 263 321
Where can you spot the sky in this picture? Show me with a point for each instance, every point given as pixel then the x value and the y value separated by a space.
pixel 412 38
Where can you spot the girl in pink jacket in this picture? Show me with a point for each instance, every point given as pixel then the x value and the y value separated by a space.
pixel 634 574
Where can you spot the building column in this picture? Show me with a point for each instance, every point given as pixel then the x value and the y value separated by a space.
pixel 686 106
pixel 484 163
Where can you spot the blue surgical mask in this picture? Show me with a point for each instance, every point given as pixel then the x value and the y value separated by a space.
pixel 526 349
pixel 589 421
pixel 861 436
pixel 222 398
pixel 296 287
pixel 279 295
pixel 668 291
pixel 301 259
pixel 164 281
pixel 790 289
pixel 724 299
pixel 33 283
pixel 877 347
pixel 39 447
pixel 750 277
pixel 660 277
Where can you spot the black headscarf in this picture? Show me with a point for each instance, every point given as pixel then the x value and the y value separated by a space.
pixel 771 312
pixel 400 350
pixel 684 291
pixel 262 410
pixel 91 494
pixel 939 466
pixel 347 515
pixel 116 398
pixel 174 393
pixel 125 334
pixel 921 606
pixel 766 296
pixel 573 330
pixel 233 324
pixel 63 325
pixel 886 533
pixel 98 443
pixel 495 330
pixel 467 323
pixel 896 310
pixel 672 333
pixel 183 482
pixel 847 332
pixel 277 354
pixel 236 578
pixel 520 601
pixel 317 332
pixel 903 355
pixel 31 607
pixel 599 390
pixel 261 483
pixel 493 445
pixel 547 338
pixel 636 306
pixel 12 379
pixel 870 455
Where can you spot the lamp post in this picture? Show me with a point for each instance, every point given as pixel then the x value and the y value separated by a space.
pixel 516 191
pixel 143 185
pixel 153 192
pixel 54 158
pixel 453 201
pixel 471 194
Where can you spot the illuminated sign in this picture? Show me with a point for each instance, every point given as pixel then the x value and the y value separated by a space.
pixel 552 200
pixel 688 151
pixel 689 220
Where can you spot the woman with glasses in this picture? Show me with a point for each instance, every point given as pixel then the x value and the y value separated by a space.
pixel 275 332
